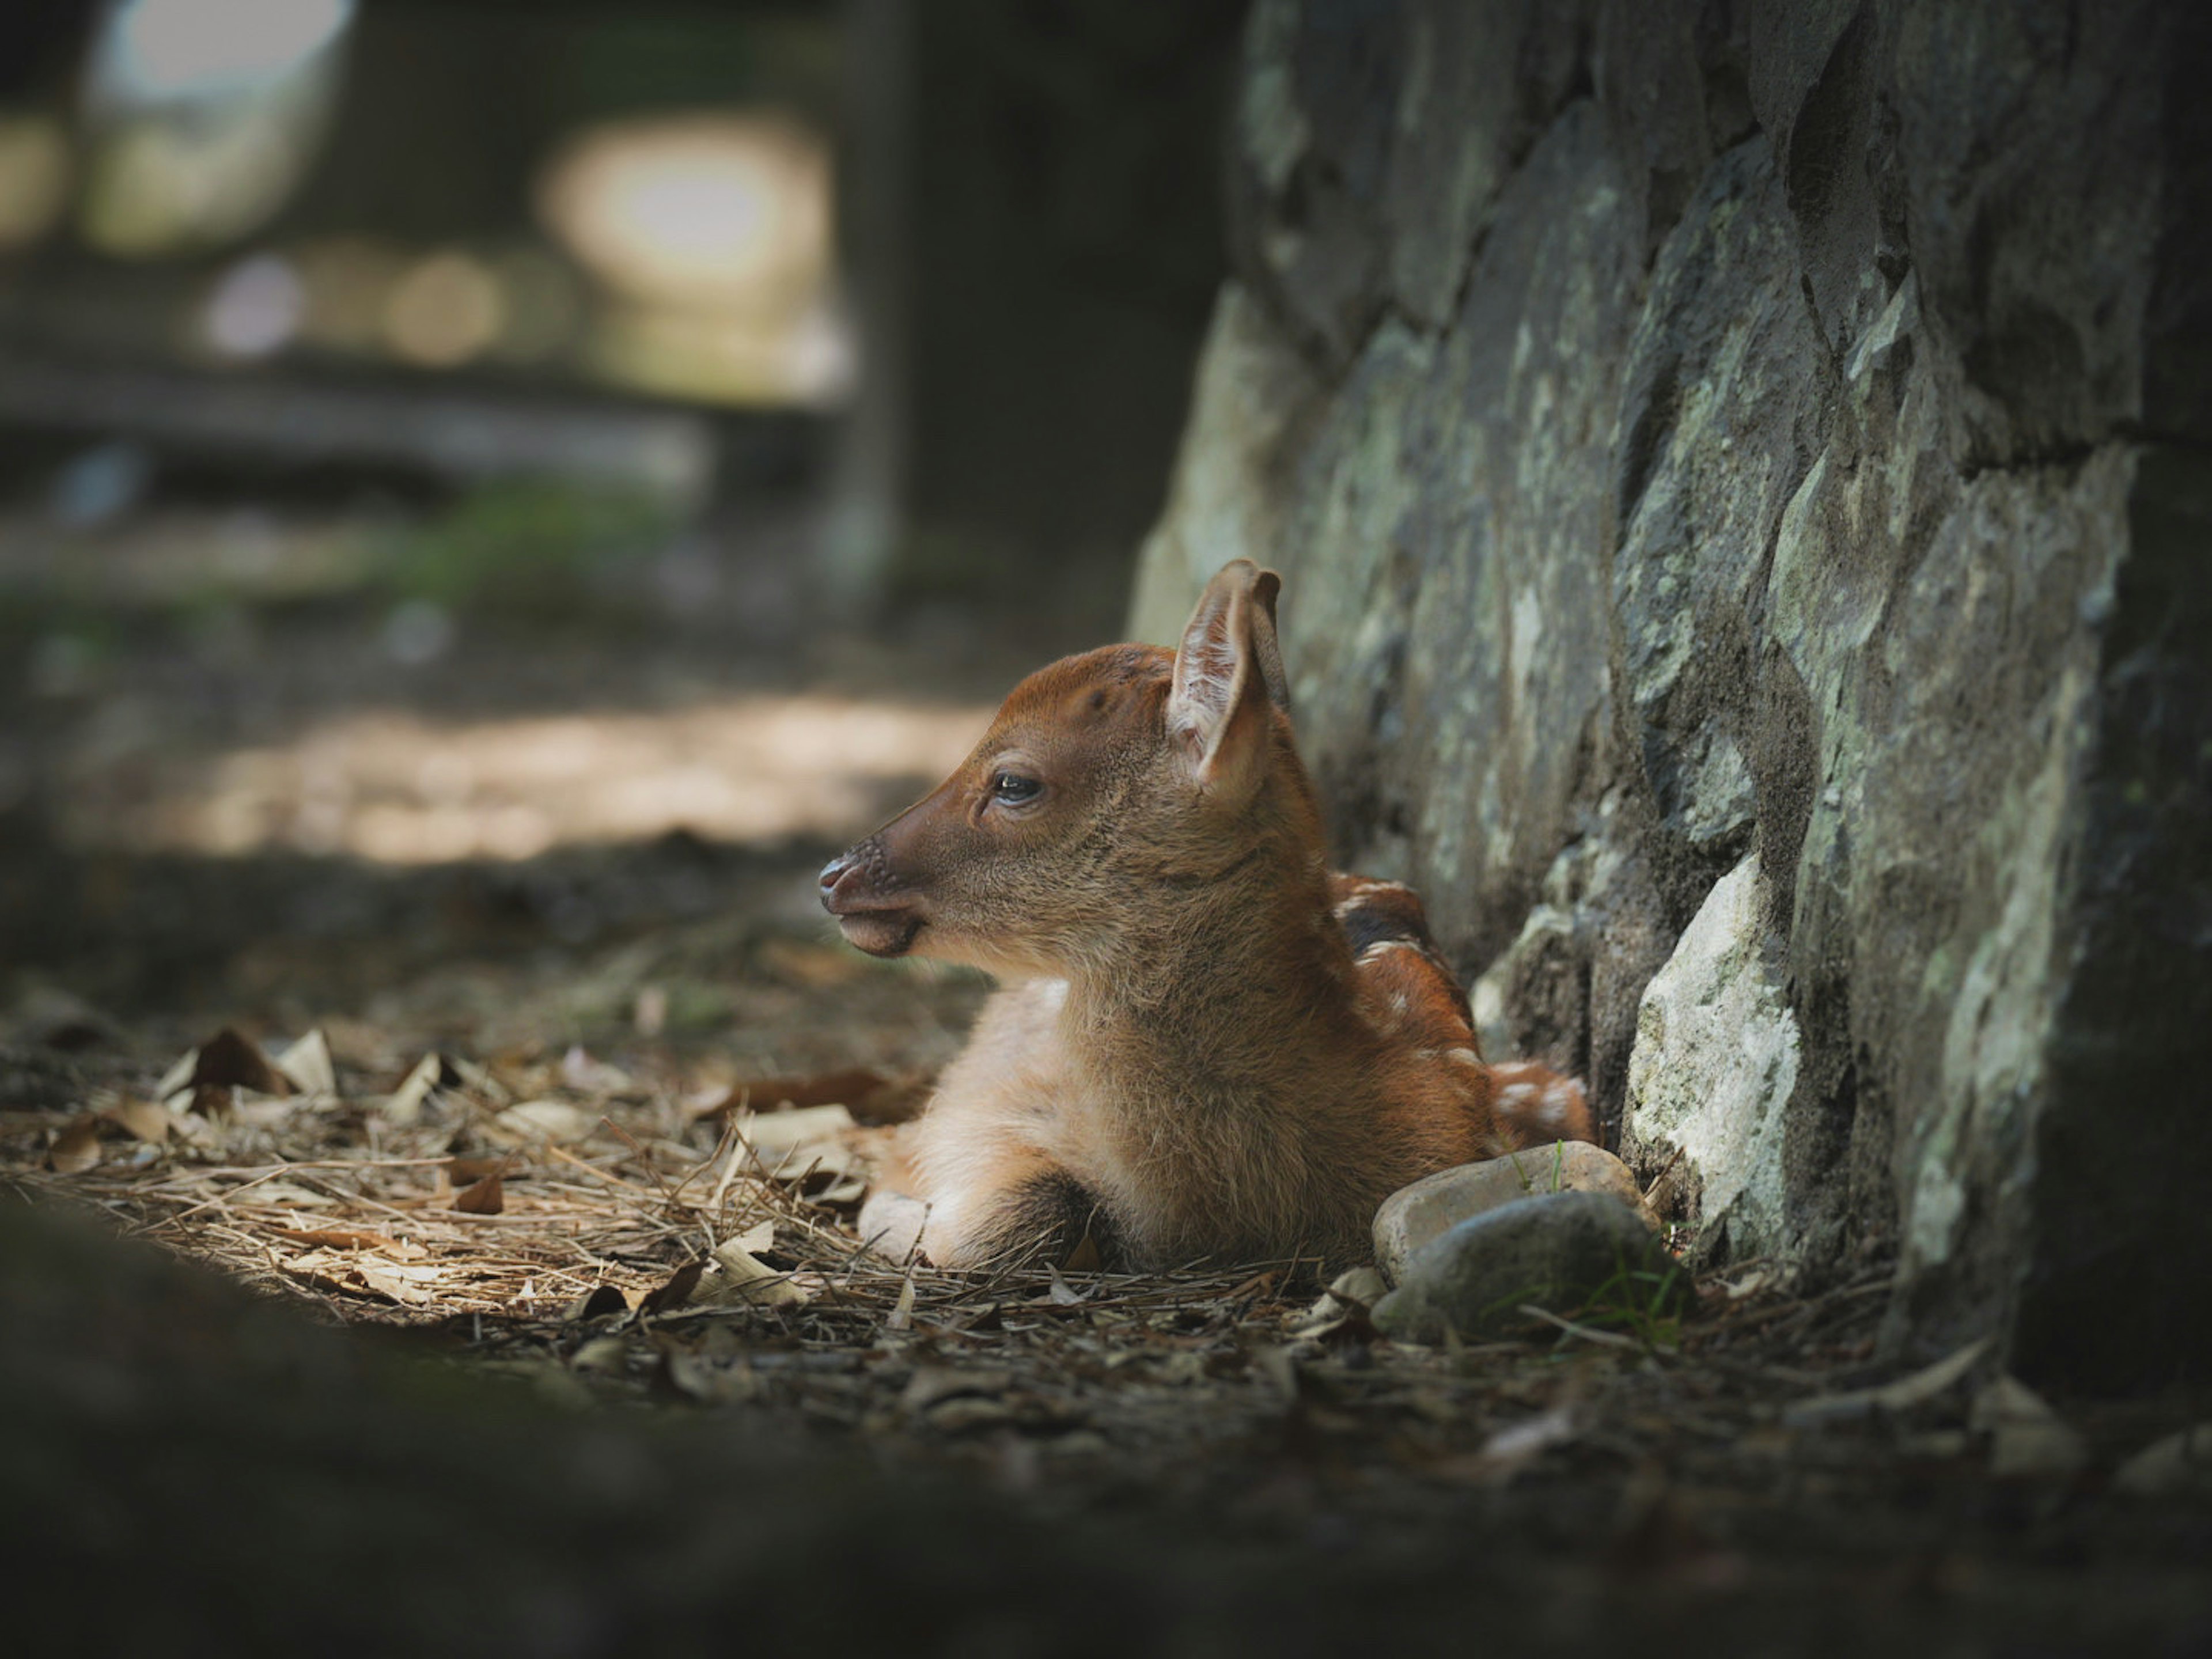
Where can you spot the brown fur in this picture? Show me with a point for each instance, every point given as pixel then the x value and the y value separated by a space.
pixel 1191 1059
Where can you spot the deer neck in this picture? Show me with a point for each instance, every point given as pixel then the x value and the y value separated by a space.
pixel 1241 984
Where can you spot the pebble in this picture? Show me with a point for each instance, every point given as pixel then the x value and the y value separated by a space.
pixel 1413 1216
pixel 1554 1251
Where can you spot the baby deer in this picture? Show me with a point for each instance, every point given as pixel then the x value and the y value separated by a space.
pixel 1208 1044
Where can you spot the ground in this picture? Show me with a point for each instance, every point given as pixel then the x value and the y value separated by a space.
pixel 557 1334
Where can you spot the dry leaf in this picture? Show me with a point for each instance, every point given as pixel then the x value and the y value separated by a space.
pixel 900 1318
pixel 601 1301
pixel 403 1107
pixel 761 1235
pixel 484 1197
pixel 344 1238
pixel 146 1118
pixel 1900 1395
pixel 2181 1462
pixel 2027 1437
pixel 932 1385
pixel 352 1273
pixel 291 1193
pixel 676 1291
pixel 228 1058
pixel 179 1078
pixel 872 1097
pixel 587 1076
pixel 308 1064
pixel 76 1148
pixel 747 1279
pixel 772 1132
pixel 541 1120
pixel 399 1280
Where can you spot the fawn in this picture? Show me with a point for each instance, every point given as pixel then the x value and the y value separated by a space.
pixel 1207 1044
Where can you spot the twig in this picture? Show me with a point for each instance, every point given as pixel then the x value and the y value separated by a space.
pixel 1604 1339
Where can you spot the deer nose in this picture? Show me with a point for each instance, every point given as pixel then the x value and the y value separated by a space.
pixel 832 873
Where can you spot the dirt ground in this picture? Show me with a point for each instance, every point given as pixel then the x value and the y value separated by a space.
pixel 468 1006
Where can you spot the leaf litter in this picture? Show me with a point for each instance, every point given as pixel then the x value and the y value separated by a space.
pixel 619 1217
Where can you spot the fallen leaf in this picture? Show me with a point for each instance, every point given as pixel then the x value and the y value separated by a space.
pixel 484 1197
pixel 148 1119
pixel 2027 1437
pixel 397 1280
pixel 900 1318
pixel 1341 1312
pixel 289 1192
pixel 2180 1463
pixel 775 1133
pixel 350 1273
pixel 747 1279
pixel 587 1076
pixel 932 1385
pixel 308 1064
pixel 541 1121
pixel 403 1107
pixel 870 1096
pixel 761 1235
pixel 676 1291
pixel 230 1058
pixel 1903 1395
pixel 343 1238
pixel 76 1148
pixel 178 1077
pixel 601 1301
pixel 1512 1449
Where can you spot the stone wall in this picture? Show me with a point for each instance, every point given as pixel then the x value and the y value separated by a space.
pixel 1740 480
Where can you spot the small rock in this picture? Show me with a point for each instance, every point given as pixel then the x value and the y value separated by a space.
pixel 1413 1216
pixel 1555 1251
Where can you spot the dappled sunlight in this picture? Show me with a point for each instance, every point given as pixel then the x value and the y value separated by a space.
pixel 397 787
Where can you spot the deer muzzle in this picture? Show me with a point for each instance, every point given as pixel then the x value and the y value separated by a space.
pixel 873 914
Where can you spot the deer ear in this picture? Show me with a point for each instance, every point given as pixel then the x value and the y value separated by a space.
pixel 1227 671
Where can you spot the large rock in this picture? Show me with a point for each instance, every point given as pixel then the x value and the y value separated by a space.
pixel 1715 1065
pixel 1561 1252
pixel 1412 1217
pixel 1742 482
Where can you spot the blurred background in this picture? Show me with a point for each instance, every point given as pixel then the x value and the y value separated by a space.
pixel 504 465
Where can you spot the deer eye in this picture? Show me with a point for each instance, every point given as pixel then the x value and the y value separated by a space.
pixel 1013 789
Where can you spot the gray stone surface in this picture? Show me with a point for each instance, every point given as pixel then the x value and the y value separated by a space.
pixel 1556 1251
pixel 1693 436
pixel 1715 1064
pixel 1412 1217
